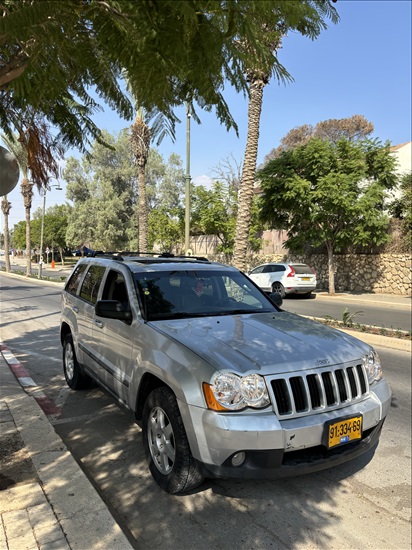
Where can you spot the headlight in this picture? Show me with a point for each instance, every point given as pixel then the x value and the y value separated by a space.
pixel 373 367
pixel 228 391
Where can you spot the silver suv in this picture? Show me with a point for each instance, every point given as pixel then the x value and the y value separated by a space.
pixel 222 382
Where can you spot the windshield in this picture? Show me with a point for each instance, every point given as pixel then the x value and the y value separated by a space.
pixel 198 293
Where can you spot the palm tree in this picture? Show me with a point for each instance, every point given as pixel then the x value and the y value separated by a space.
pixel 21 154
pixel 140 141
pixel 5 207
pixel 257 79
pixel 308 18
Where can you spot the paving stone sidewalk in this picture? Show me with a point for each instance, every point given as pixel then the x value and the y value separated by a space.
pixel 46 500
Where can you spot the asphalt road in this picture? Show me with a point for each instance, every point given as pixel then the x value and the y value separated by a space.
pixel 363 504
pixel 375 314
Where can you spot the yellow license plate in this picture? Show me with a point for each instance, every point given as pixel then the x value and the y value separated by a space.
pixel 305 278
pixel 344 431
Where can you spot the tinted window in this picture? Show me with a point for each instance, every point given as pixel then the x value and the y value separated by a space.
pixel 73 283
pixel 91 283
pixel 257 270
pixel 302 269
pixel 115 288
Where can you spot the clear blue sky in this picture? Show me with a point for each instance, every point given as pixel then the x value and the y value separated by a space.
pixel 362 65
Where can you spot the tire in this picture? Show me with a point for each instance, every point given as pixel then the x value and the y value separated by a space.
pixel 75 378
pixel 166 446
pixel 278 287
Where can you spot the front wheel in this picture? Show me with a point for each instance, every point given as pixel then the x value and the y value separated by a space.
pixel 278 288
pixel 75 378
pixel 166 446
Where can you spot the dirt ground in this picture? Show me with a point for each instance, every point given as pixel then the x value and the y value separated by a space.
pixel 15 465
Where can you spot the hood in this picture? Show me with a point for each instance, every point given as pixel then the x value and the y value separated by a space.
pixel 268 343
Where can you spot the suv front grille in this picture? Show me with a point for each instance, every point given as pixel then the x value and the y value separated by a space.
pixel 320 390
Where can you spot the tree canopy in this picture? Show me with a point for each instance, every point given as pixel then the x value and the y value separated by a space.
pixel 54 53
pixel 353 128
pixel 329 194
pixel 104 192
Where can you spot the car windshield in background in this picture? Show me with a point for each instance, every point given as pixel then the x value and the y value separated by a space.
pixel 198 293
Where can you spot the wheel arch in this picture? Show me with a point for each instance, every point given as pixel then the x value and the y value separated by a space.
pixel 64 331
pixel 148 383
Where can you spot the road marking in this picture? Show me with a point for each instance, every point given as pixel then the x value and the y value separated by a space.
pixel 63 395
pixel 27 383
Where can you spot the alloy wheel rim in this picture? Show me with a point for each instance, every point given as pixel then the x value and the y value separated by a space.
pixel 69 362
pixel 161 441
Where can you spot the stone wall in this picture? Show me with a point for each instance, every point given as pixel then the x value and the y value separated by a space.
pixel 379 273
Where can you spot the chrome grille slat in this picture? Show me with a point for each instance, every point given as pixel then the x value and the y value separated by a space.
pixel 303 393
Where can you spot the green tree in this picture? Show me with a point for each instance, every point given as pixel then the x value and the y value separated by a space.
pixel 401 208
pixel 165 228
pixel 329 194
pixel 55 227
pixel 102 187
pixel 54 53
pixel 306 17
pixel 214 213
pixel 352 128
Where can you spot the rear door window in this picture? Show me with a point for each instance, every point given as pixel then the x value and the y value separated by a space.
pixel 91 283
pixel 75 278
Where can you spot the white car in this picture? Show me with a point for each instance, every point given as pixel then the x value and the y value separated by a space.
pixel 284 278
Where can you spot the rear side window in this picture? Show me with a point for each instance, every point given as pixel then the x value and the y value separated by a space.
pixel 302 269
pixel 73 283
pixel 91 283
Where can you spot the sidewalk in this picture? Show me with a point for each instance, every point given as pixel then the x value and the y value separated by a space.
pixel 46 500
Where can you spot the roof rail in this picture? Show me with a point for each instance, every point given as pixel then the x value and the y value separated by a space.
pixel 121 255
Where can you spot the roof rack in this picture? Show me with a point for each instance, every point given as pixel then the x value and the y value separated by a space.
pixel 120 256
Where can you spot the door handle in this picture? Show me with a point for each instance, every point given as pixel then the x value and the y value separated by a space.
pixel 98 324
pixel 75 309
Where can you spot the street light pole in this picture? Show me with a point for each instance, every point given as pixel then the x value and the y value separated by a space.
pixel 58 188
pixel 187 178
pixel 42 225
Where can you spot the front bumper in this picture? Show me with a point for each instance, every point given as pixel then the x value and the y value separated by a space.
pixel 276 448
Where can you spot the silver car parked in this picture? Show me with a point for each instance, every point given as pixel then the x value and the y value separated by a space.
pixel 222 382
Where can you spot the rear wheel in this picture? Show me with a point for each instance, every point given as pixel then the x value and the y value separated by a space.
pixel 75 378
pixel 166 446
pixel 278 288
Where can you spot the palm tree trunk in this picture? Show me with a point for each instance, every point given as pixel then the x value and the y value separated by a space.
pixel 248 173
pixel 27 192
pixel 143 215
pixel 5 207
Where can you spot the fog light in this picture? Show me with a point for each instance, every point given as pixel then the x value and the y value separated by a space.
pixel 238 459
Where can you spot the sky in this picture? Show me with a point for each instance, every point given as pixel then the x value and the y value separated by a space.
pixel 362 66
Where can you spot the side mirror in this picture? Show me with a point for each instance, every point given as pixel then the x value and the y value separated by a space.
pixel 112 309
pixel 276 298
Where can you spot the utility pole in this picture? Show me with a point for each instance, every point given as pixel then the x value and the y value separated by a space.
pixel 187 179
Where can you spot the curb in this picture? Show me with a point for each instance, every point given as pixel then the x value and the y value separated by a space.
pixel 378 340
pixel 63 488
pixel 369 338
